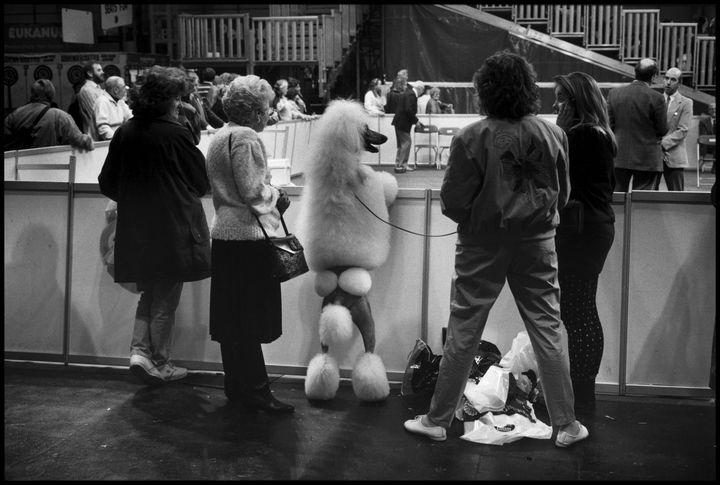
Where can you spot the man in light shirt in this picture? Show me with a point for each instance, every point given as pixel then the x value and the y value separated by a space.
pixel 679 116
pixel 110 108
pixel 94 77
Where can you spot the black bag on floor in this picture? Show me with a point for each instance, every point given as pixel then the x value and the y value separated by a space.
pixel 421 372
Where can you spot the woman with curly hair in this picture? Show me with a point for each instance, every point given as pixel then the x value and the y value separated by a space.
pixel 245 303
pixel 157 176
pixel 582 114
pixel 505 179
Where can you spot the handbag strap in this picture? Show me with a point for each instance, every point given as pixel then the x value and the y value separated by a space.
pixel 256 217
pixel 39 117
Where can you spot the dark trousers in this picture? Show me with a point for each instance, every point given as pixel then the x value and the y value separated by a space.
pixel 674 178
pixel 244 366
pixel 404 143
pixel 640 180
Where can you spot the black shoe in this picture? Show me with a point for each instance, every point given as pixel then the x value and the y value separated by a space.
pixel 259 400
pixel 268 404
pixel 399 170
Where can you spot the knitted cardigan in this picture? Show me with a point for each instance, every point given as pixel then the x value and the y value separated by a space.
pixel 241 186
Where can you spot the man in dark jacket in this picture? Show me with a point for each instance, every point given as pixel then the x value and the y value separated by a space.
pixel 54 127
pixel 639 119
pixel 157 176
pixel 404 119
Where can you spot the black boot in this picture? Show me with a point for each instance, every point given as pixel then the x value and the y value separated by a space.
pixel 261 399
pixel 584 399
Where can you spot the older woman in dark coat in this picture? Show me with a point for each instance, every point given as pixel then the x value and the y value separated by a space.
pixel 157 176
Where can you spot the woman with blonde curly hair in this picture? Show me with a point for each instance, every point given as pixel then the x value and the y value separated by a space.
pixel 245 304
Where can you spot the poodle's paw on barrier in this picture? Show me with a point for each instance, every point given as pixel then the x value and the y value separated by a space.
pixel 336 324
pixel 369 378
pixel 323 378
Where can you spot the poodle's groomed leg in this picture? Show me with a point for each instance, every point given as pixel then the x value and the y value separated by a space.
pixel 363 319
pixel 369 377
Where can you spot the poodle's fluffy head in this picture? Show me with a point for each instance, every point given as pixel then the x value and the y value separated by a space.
pixel 340 138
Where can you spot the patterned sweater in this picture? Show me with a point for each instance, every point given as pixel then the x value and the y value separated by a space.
pixel 241 186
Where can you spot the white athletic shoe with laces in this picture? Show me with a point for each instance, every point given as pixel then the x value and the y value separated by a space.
pixel 565 439
pixel 415 425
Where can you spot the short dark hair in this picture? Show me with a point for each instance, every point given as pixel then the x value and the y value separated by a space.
pixel 506 86
pixel 208 74
pixel 88 68
pixel 159 87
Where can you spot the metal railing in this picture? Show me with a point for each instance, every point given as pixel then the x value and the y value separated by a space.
pixel 214 36
pixel 287 39
pixel 640 34
pixel 677 47
pixel 705 63
pixel 567 20
pixel 603 24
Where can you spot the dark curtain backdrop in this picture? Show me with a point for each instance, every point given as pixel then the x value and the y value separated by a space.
pixel 436 45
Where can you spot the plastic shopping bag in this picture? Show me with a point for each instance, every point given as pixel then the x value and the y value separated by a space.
pixel 521 356
pixel 498 429
pixel 490 393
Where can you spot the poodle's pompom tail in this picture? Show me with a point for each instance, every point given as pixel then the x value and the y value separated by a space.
pixel 336 325
pixel 390 187
pixel 325 283
pixel 355 281
pixel 323 378
pixel 369 378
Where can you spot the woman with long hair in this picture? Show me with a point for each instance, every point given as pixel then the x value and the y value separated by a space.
pixel 583 115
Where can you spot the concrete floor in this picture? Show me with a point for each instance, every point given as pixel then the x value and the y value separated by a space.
pixel 94 423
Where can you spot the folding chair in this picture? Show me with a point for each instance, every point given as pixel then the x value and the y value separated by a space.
pixel 708 141
pixel 445 136
pixel 426 137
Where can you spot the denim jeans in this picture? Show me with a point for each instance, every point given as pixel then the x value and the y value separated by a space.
pixel 530 267
pixel 154 319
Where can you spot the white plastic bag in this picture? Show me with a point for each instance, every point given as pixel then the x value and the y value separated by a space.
pixel 521 356
pixel 490 393
pixel 498 429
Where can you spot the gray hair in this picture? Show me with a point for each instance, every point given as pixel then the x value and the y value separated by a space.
pixel 245 97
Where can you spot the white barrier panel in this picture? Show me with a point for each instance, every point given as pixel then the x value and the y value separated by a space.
pixel 34 291
pixel 672 311
pixel 671 290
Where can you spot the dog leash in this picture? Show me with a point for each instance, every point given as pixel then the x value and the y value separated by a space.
pixel 401 228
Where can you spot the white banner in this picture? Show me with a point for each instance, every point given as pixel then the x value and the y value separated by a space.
pixel 115 15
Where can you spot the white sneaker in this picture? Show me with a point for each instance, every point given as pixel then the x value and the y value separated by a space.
pixel 145 369
pixel 436 433
pixel 565 439
pixel 169 372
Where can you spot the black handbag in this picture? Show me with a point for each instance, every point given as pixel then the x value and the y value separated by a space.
pixel 571 218
pixel 288 256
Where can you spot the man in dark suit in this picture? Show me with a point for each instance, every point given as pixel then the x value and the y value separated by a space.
pixel 404 119
pixel 706 126
pixel 638 116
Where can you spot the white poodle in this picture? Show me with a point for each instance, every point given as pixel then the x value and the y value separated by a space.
pixel 343 241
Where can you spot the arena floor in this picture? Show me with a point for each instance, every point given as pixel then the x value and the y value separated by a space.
pixel 92 423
